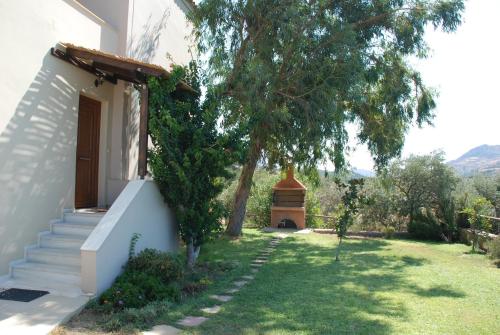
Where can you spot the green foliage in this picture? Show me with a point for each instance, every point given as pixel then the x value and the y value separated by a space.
pixel 295 73
pixel 379 210
pixel 313 208
pixel 189 156
pixel 164 266
pixel 424 226
pixel 424 188
pixel 151 275
pixel 476 213
pixel 137 317
pixel 348 209
pixel 329 195
pixel 136 289
pixel 494 248
pixel 389 232
pixel 261 198
pixel 133 243
pixel 350 202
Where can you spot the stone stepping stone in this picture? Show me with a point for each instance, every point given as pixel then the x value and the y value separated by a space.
pixel 256 265
pixel 259 261
pixel 255 270
pixel 211 310
pixel 248 277
pixel 163 330
pixel 192 321
pixel 263 257
pixel 222 298
pixel 240 283
pixel 233 290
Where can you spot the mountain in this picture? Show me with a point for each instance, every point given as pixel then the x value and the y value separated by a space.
pixel 363 172
pixel 482 159
pixel 354 173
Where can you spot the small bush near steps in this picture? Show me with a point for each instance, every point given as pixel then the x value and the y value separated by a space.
pixel 151 283
pixel 150 276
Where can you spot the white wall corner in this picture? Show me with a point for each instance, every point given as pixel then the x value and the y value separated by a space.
pixel 140 209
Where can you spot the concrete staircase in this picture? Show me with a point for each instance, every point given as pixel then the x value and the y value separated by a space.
pixel 54 263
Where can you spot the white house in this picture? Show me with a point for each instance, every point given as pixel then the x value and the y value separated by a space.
pixel 73 137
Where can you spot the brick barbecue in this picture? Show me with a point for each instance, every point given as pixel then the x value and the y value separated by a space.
pixel 288 209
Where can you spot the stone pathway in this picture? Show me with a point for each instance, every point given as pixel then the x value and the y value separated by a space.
pixel 222 298
pixel 163 330
pixel 211 310
pixel 194 321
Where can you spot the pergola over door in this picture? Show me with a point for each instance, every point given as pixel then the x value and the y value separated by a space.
pixel 112 68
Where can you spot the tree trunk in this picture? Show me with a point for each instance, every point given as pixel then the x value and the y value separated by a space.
pixel 243 191
pixel 192 254
pixel 337 254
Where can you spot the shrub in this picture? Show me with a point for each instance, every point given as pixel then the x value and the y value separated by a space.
pixel 167 267
pixel 136 289
pixel 151 275
pixel 424 226
pixel 313 208
pixel 261 198
pixel 132 318
pixel 478 222
pixel 389 232
pixel 494 248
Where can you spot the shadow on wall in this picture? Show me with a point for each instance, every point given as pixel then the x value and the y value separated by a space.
pixel 37 150
pixel 143 48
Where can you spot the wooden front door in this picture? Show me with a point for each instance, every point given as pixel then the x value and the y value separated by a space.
pixel 87 153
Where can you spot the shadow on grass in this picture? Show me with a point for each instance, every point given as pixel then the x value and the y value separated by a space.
pixel 439 291
pixel 304 291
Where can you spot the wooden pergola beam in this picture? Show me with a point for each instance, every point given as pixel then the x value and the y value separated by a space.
pixel 143 132
pixel 120 63
pixel 122 74
pixel 82 65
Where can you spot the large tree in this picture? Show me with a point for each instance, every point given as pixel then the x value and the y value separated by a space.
pixel 293 73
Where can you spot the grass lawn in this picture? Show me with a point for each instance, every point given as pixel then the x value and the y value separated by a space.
pixel 379 287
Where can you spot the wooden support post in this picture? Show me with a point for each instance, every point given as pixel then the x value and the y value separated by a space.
pixel 143 133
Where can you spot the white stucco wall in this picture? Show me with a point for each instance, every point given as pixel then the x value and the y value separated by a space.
pixel 158 33
pixel 39 109
pixel 153 31
pixel 140 209
pixel 38 114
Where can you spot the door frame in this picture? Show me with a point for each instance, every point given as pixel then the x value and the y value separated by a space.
pixel 103 148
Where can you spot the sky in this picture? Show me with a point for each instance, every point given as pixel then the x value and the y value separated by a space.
pixel 464 67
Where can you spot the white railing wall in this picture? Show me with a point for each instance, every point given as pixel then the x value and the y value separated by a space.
pixel 138 209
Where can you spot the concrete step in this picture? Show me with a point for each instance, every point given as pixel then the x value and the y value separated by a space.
pixel 62 241
pixel 63 289
pixel 82 217
pixel 50 273
pixel 56 256
pixel 73 228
